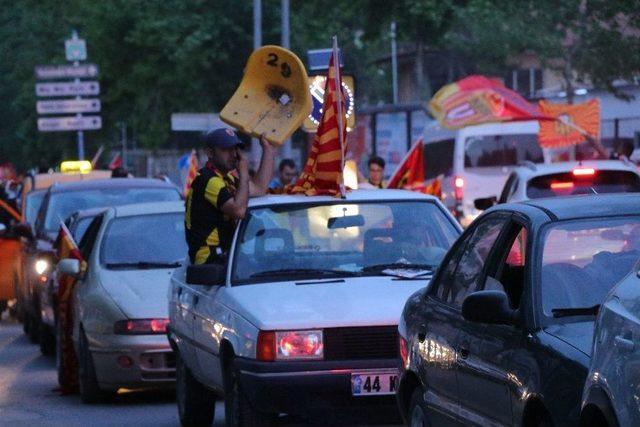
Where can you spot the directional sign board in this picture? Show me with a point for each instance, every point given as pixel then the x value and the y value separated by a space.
pixel 75 49
pixel 59 124
pixel 68 106
pixel 83 71
pixel 195 122
pixel 68 88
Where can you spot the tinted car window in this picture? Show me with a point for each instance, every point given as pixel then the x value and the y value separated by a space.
pixel 501 150
pixel 438 158
pixel 468 269
pixel 63 204
pixel 566 184
pixel 582 260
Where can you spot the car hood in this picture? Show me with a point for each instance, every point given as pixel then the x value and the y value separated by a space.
pixel 140 294
pixel 578 335
pixel 366 301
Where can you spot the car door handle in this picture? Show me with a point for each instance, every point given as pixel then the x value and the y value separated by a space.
pixel 464 352
pixel 624 344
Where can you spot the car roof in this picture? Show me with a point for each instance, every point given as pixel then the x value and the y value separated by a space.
pixel 148 208
pixel 585 206
pixel 351 196
pixel 98 184
pixel 532 170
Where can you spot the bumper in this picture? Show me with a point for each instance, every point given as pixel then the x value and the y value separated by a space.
pixel 150 362
pixel 307 388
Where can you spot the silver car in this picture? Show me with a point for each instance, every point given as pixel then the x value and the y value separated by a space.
pixel 120 302
pixel 612 391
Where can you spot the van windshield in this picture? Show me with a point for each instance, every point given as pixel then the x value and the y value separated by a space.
pixel 501 150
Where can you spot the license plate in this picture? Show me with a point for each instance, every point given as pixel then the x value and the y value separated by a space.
pixel 374 383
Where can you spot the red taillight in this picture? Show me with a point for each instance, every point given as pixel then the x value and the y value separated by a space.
pixel 458 184
pixel 584 172
pixel 266 350
pixel 561 185
pixel 141 327
pixel 404 351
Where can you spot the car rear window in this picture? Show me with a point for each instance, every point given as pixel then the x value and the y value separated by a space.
pixel 566 184
pixel 501 150
pixel 438 158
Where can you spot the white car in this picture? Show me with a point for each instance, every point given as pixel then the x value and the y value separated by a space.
pixel 304 319
pixel 119 304
pixel 535 181
pixel 612 391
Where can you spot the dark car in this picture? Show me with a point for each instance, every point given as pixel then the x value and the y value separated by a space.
pixel 503 334
pixel 60 201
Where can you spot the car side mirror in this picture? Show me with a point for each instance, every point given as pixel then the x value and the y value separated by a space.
pixel 70 267
pixel 23 229
pixel 488 307
pixel 207 274
pixel 485 203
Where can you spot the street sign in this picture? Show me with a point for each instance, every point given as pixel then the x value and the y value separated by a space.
pixel 75 49
pixel 195 122
pixel 59 124
pixel 319 58
pixel 68 88
pixel 82 71
pixel 68 106
pixel 316 86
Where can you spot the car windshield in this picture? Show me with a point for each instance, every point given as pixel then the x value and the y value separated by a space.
pixel 598 182
pixel 127 242
pixel 63 204
pixel 32 206
pixel 501 150
pixel 334 240
pixel 582 260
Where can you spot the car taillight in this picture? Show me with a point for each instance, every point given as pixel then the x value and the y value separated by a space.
pixel 404 350
pixel 458 184
pixel 290 345
pixel 141 327
pixel 584 172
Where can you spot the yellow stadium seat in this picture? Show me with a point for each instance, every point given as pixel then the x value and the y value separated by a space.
pixel 273 97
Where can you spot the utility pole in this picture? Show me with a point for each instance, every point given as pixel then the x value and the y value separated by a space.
pixel 123 141
pixel 286 43
pixel 74 36
pixel 257 42
pixel 394 62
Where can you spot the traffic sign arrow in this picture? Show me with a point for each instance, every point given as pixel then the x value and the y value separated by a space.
pixel 66 71
pixel 68 88
pixel 61 124
pixel 68 106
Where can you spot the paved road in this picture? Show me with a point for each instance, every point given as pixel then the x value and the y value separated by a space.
pixel 28 395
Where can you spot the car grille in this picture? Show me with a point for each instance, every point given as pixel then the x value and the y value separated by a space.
pixel 371 342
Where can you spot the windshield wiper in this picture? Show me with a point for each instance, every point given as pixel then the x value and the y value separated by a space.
pixel 578 311
pixel 143 265
pixel 305 272
pixel 397 266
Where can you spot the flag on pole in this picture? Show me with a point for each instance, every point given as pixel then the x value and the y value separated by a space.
pixel 116 162
pixel 574 121
pixel 193 171
pixel 67 248
pixel 322 174
pixel 410 174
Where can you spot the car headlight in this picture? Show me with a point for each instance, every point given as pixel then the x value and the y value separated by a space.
pixel 41 266
pixel 290 345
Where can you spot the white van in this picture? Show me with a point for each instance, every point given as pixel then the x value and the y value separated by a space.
pixel 476 161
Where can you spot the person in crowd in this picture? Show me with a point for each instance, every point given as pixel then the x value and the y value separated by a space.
pixel 219 195
pixel 287 172
pixel 376 174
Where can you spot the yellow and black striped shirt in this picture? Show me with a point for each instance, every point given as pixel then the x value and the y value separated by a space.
pixel 208 230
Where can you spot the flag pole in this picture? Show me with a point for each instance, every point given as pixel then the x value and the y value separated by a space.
pixel 338 80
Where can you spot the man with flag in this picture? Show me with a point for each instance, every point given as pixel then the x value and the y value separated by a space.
pixel 68 369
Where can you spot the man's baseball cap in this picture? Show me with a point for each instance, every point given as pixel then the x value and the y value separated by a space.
pixel 221 138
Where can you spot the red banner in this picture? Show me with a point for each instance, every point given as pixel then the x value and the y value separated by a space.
pixel 573 121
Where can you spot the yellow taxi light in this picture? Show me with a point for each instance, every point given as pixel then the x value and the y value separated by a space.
pixel 76 166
